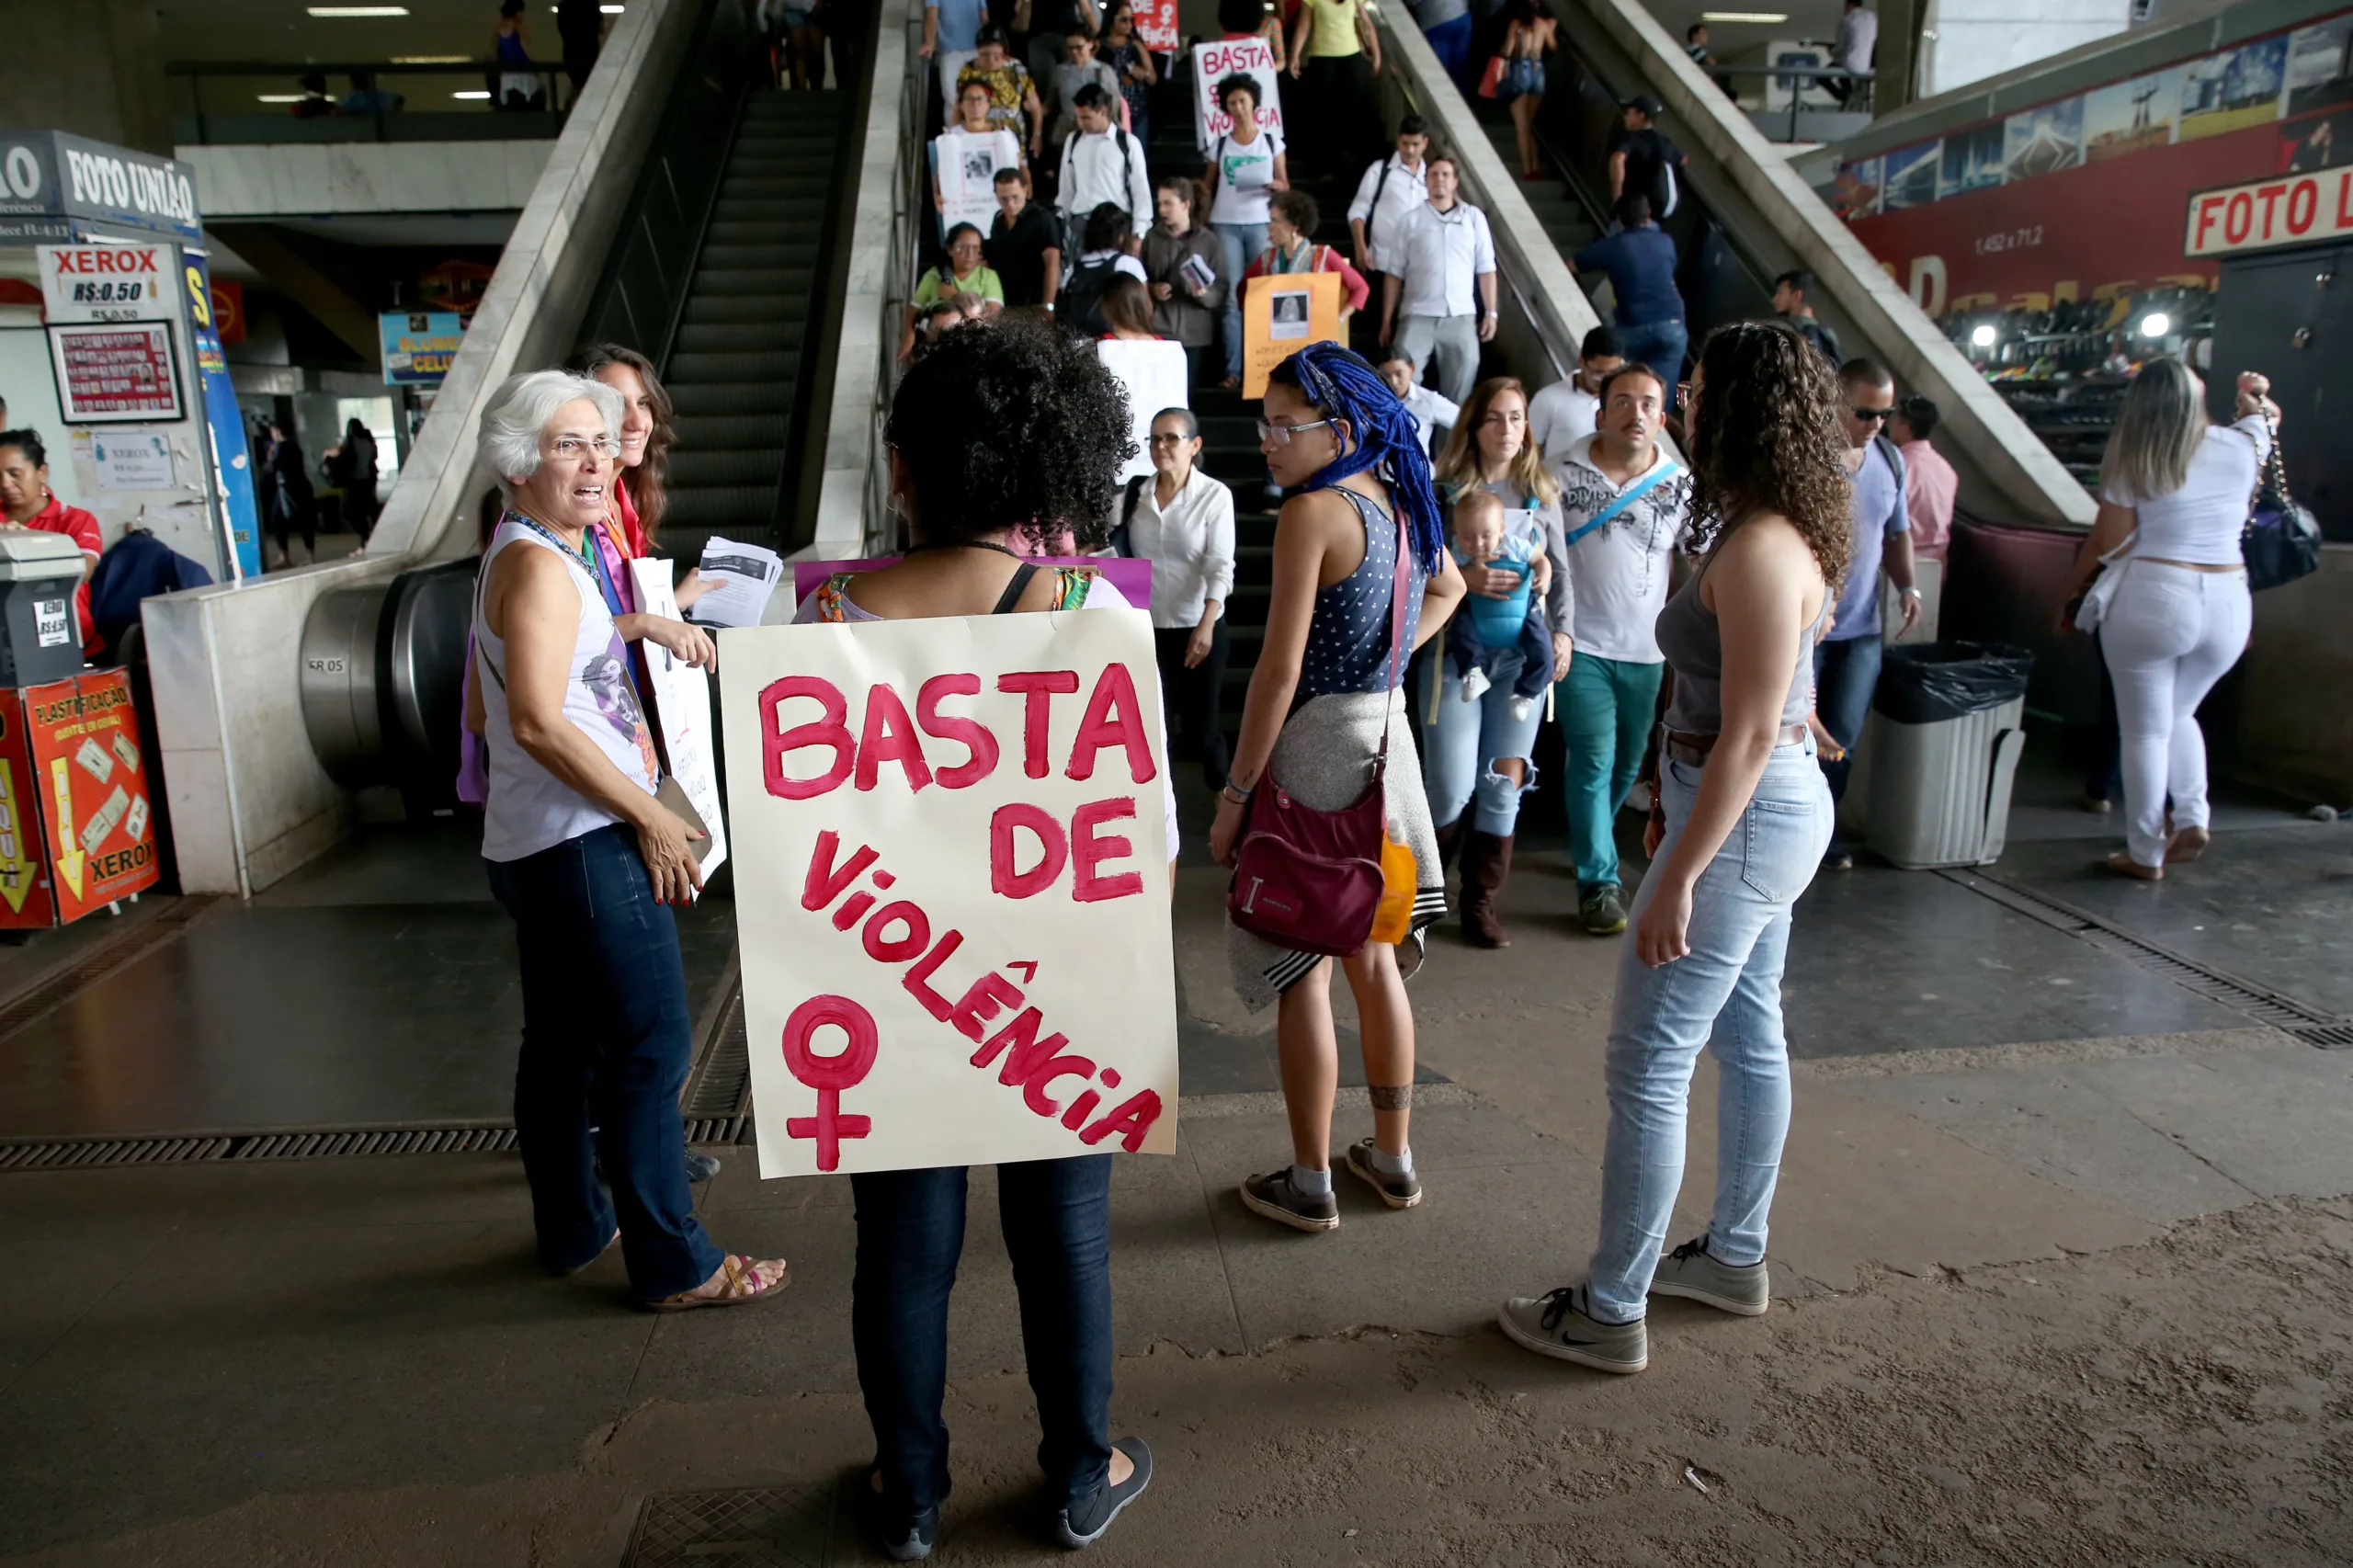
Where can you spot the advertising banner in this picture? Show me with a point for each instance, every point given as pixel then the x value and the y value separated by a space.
pixel 111 374
pixel 107 283
pixel 51 182
pixel 951 889
pixel 681 699
pixel 231 454
pixel 1212 63
pixel 1282 315
pixel 88 782
pixel 418 346
pixel 2292 211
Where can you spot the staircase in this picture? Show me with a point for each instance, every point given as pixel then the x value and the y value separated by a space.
pixel 735 370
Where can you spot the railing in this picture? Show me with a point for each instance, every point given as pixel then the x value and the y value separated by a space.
pixel 910 226
pixel 1842 114
pixel 427 111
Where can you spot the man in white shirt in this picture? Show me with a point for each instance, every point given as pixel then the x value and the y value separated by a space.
pixel 1440 303
pixel 1852 49
pixel 1625 506
pixel 1102 163
pixel 1431 413
pixel 1387 196
pixel 1182 521
pixel 1562 413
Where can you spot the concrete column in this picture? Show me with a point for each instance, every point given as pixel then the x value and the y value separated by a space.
pixel 93 67
pixel 1899 47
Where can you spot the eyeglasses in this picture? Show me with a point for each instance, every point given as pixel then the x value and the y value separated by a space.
pixel 1281 434
pixel 571 449
pixel 1160 440
pixel 1869 415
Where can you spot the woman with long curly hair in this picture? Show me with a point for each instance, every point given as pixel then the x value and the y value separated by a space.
pixel 1007 434
pixel 1742 817
pixel 1480 739
pixel 1326 700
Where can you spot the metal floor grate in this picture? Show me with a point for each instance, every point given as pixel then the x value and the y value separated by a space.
pixel 722 1086
pixel 2260 1003
pixel 779 1527
pixel 63 1153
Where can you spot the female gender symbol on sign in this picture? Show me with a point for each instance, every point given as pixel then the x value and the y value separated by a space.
pixel 829 1075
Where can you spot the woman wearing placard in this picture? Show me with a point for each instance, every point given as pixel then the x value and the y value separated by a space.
pixel 587 860
pixel 1008 431
pixel 1326 715
pixel 1247 165
pixel 1482 752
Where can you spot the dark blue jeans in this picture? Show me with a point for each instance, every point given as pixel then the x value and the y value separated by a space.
pixel 1845 673
pixel 606 1042
pixel 1057 1220
pixel 1661 344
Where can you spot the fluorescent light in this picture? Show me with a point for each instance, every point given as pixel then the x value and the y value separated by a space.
pixel 2156 324
pixel 477 92
pixel 431 59
pixel 611 10
pixel 350 12
pixel 1983 334
pixel 1764 19
pixel 279 98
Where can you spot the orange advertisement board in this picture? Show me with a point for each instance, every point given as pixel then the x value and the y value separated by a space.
pixel 85 785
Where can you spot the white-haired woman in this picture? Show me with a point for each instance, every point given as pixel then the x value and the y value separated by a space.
pixel 2174 490
pixel 587 862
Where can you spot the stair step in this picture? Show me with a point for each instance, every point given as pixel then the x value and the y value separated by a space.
pixel 733 399
pixel 726 337
pixel 778 284
pixel 699 469
pixel 723 508
pixel 754 366
pixel 758 258
pixel 730 432
pixel 735 310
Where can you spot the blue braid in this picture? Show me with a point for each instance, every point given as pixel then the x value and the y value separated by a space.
pixel 1345 387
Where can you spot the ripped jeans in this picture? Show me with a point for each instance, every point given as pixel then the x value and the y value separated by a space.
pixel 1460 751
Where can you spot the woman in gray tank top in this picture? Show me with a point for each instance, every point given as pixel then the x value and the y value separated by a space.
pixel 1743 819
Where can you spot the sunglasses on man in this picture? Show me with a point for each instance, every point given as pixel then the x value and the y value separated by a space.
pixel 1869 415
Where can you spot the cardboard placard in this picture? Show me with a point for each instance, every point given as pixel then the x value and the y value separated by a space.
pixel 1282 315
pixel 25 901
pixel 1156 25
pixel 951 889
pixel 680 697
pixel 966 167
pixel 88 783
pixel 1131 576
pixel 1213 62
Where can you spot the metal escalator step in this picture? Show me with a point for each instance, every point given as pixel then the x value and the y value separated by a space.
pixel 782 283
pixel 722 506
pixel 726 337
pixel 735 187
pixel 733 399
pixel 797 253
pixel 736 310
pixel 756 365
pixel 806 211
pixel 754 231
pixel 725 431
pixel 700 469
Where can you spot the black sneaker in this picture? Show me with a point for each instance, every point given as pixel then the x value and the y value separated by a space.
pixel 1397 1191
pixel 1082 1525
pixel 907 1535
pixel 1603 910
pixel 1274 1196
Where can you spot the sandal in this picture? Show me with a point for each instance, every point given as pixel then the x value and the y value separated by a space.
pixel 740 1278
pixel 2123 865
pixel 2187 845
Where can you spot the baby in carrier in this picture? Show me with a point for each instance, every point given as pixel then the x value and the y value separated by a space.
pixel 1478 638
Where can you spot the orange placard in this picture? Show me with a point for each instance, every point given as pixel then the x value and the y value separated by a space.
pixel 89 783
pixel 24 870
pixel 1281 317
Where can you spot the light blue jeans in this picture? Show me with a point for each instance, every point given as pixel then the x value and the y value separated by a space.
pixel 1460 751
pixel 1725 994
pixel 1243 244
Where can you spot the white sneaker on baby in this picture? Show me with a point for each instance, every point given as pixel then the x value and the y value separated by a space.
pixel 1474 685
pixel 1521 707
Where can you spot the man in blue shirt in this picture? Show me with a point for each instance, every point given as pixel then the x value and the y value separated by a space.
pixel 1845 661
pixel 951 32
pixel 1639 259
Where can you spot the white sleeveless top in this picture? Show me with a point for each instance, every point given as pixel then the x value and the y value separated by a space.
pixel 529 808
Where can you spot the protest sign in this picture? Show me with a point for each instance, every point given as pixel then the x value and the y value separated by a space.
pixel 1212 63
pixel 966 167
pixel 1156 25
pixel 1154 372
pixel 952 890
pixel 1281 315
pixel 681 699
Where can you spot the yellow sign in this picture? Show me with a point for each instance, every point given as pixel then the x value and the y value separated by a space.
pixel 69 849
pixel 1282 315
pixel 16 866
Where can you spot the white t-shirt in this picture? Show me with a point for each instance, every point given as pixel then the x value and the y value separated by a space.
pixel 1559 416
pixel 2201 522
pixel 1618 572
pixel 1242 173
pixel 1429 411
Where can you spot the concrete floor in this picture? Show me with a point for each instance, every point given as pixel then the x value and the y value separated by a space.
pixel 2062 1249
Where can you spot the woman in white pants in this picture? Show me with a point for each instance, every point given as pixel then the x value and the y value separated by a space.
pixel 2171 607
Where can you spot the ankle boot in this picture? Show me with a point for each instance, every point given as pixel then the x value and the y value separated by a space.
pixel 1486 867
pixel 1450 844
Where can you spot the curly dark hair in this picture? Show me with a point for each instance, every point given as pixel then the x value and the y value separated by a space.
pixel 648 480
pixel 1011 424
pixel 1767 437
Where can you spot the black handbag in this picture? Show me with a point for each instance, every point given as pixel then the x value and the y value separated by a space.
pixel 2281 539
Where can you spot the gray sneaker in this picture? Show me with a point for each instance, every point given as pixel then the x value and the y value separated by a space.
pixel 1559 1326
pixel 1274 1196
pixel 1398 1192
pixel 1604 910
pixel 1690 1273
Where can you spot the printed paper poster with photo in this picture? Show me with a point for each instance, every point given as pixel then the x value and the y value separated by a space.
pixel 1855 193
pixel 1909 177
pixel 2320 65
pixel 1971 161
pixel 2043 139
pixel 2130 116
pixel 2233 90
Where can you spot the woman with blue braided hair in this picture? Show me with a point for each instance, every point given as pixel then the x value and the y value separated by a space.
pixel 1324 697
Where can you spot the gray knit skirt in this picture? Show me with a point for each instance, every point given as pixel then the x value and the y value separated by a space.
pixel 1324 758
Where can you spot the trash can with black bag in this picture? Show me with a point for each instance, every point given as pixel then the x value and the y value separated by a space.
pixel 1945 732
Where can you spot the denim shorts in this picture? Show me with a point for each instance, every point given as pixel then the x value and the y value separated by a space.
pixel 1521 77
